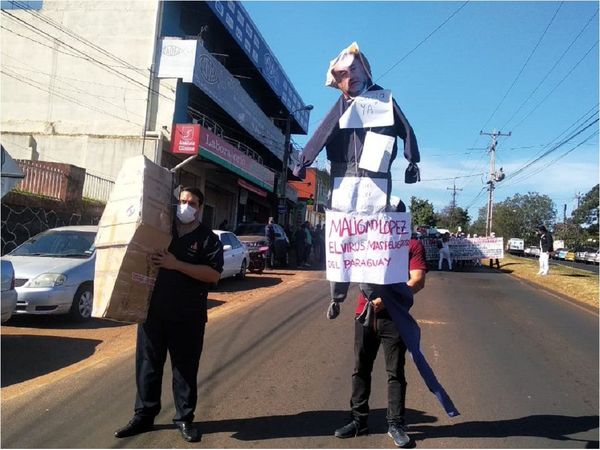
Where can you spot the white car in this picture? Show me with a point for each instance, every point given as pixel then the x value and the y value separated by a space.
pixel 54 272
pixel 235 255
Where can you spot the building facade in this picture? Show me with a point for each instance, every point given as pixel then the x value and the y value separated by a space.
pixel 93 83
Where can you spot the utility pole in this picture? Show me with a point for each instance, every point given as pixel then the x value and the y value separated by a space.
pixel 453 203
pixel 494 178
pixel 565 213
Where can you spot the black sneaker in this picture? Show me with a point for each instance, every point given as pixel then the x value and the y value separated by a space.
pixel 398 434
pixel 352 429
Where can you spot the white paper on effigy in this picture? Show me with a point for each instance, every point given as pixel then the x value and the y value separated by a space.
pixel 377 152
pixel 370 109
pixel 367 248
pixel 359 194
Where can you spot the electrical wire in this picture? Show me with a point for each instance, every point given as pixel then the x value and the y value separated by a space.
pixel 32 83
pixel 550 71
pixel 555 87
pixel 92 59
pixel 523 67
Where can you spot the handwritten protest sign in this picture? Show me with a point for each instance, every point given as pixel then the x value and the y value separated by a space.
pixel 359 194
pixel 377 152
pixel 364 248
pixel 370 109
pixel 467 249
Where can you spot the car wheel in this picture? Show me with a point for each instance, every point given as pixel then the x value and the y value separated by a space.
pixel 81 309
pixel 242 274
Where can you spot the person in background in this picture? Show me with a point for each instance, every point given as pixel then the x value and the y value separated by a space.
pixel 300 245
pixel 223 226
pixel 270 234
pixel 546 246
pixel 367 339
pixel 176 319
pixel 308 243
pixel 444 252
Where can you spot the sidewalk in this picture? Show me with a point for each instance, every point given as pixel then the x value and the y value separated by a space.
pixel 38 350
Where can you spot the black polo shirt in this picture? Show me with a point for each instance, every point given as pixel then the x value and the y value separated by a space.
pixel 177 296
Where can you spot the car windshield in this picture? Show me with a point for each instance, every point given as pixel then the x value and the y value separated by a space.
pixel 250 229
pixel 62 244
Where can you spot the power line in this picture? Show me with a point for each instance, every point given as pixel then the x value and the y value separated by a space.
pixel 423 40
pixel 556 86
pixel 551 69
pixel 32 82
pixel 92 59
pixel 523 67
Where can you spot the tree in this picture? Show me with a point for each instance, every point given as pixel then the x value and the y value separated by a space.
pixel 422 212
pixel 586 213
pixel 570 233
pixel 478 226
pixel 452 218
pixel 520 215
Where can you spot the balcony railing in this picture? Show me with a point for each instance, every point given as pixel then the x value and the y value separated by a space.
pixel 214 127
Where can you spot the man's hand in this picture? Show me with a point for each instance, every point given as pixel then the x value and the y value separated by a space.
pixel 164 259
pixel 378 305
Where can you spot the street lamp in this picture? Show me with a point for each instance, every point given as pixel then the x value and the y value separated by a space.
pixel 284 163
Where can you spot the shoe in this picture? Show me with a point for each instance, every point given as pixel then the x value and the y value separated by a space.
pixel 398 434
pixel 189 431
pixel 135 426
pixel 333 311
pixel 350 430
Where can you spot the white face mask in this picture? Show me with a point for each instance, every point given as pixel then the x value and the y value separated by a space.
pixel 185 213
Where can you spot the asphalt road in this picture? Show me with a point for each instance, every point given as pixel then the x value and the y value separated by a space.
pixel 520 364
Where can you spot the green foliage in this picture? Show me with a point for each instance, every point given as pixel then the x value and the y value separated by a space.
pixel 452 218
pixel 422 212
pixel 520 215
pixel 571 233
pixel 478 227
pixel 587 212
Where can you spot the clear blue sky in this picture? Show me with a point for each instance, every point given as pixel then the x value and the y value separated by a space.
pixel 472 74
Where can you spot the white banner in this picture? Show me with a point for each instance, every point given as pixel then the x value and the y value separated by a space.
pixel 467 248
pixel 365 248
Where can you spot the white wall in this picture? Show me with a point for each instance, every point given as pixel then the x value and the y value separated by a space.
pixel 81 98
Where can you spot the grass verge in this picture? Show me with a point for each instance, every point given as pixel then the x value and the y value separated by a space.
pixel 578 284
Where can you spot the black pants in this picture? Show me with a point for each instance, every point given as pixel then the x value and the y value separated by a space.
pixel 183 340
pixel 366 345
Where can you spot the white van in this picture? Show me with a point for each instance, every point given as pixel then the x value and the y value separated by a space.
pixel 515 246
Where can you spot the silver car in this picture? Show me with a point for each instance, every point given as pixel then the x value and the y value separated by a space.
pixel 9 294
pixel 54 272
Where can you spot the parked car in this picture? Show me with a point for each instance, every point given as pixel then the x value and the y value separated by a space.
pixel 532 251
pixel 515 246
pixel 593 257
pixel 253 235
pixel 560 253
pixel 585 255
pixel 8 297
pixel 570 255
pixel 235 255
pixel 54 272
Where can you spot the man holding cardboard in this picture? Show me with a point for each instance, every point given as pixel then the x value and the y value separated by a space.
pixel 176 319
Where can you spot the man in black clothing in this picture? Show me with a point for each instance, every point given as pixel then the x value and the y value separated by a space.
pixel 176 319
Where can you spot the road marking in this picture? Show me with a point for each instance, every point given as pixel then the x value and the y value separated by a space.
pixel 431 322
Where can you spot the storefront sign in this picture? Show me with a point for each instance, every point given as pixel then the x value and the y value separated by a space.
pixel 467 249
pixel 213 79
pixel 186 139
pixel 218 150
pixel 251 188
pixel 177 58
pixel 237 22
pixel 367 248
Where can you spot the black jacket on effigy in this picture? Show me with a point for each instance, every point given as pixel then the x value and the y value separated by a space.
pixel 546 242
pixel 344 146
